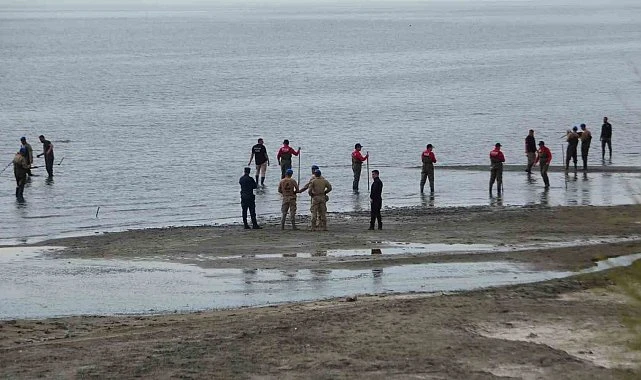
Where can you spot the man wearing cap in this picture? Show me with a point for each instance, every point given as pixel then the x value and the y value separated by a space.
pixel 47 151
pixel 318 190
pixel 20 169
pixel 288 188
pixel 427 171
pixel 248 199
pixel 259 152
pixel 544 157
pixel 530 150
pixel 573 142
pixel 496 168
pixel 357 164
pixel 26 145
pixel 284 157
pixel 376 197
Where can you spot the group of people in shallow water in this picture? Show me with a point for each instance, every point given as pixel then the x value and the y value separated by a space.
pixel 23 163
pixel 318 187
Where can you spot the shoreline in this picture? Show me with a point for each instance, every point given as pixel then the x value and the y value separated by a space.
pixel 570 327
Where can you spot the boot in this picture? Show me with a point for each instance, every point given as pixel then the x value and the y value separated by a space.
pixel 432 189
pixel 294 225
pixel 422 188
pixel 282 222
pixel 246 224
pixel 17 192
pixel 380 225
pixel 256 178
pixel 262 181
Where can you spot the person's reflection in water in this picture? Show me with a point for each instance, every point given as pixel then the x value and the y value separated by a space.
pixel 545 198
pixel 427 200
pixel 496 201
pixel 606 188
pixel 249 278
pixel 320 274
pixel 377 278
pixel 356 202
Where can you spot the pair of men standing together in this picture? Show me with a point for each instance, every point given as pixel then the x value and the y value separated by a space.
pixel 284 156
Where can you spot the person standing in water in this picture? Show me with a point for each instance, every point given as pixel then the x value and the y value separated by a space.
pixel 284 157
pixel 259 153
pixel 571 151
pixel 606 138
pixel 427 170
pixel 544 158
pixel 357 165
pixel 586 138
pixel 20 170
pixel 530 150
pixel 47 151
pixel 496 168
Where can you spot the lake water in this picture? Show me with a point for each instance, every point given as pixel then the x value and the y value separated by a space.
pixel 155 109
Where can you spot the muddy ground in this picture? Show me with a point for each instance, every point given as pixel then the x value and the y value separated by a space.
pixel 571 328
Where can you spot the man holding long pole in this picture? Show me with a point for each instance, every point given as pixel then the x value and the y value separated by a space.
pixel 357 164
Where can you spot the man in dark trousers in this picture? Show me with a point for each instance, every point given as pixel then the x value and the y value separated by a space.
pixel 570 153
pixel 606 138
pixel 248 199
pixel 427 170
pixel 357 164
pixel 20 169
pixel 530 150
pixel 544 158
pixel 586 138
pixel 496 168
pixel 47 151
pixel 259 152
pixel 376 196
pixel 26 145
pixel 284 157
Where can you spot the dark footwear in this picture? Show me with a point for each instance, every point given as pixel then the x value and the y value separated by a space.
pixel 248 228
pixel 257 227
pixel 371 228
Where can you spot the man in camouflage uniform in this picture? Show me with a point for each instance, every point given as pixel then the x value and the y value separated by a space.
pixel 288 188
pixel 318 189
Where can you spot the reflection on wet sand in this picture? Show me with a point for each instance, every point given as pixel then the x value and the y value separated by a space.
pixel 427 200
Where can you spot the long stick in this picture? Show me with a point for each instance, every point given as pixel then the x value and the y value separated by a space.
pixel 367 170
pixel 299 154
pixel 5 168
pixel 63 158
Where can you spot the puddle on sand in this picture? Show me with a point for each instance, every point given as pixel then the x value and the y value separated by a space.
pixel 401 248
pixel 40 286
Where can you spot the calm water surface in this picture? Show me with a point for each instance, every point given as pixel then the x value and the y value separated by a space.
pixel 154 111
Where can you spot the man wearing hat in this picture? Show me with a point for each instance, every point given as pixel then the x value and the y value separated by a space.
pixel 427 171
pixel 26 145
pixel 357 164
pixel 318 190
pixel 496 168
pixel 544 156
pixel 284 157
pixel 248 199
pixel 288 188
pixel 20 169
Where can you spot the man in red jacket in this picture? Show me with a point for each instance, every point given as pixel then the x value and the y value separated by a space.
pixel 357 164
pixel 284 157
pixel 496 168
pixel 544 156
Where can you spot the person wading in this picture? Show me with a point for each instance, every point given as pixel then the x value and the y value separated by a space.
pixel 47 151
pixel 544 158
pixel 427 171
pixel 20 169
pixel 572 138
pixel 606 138
pixel 284 157
pixel 586 138
pixel 318 190
pixel 496 168
pixel 530 150
pixel 259 153
pixel 26 145
pixel 376 197
pixel 357 164
pixel 248 199
pixel 288 188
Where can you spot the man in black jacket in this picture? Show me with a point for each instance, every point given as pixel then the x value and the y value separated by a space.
pixel 248 199
pixel 606 138
pixel 376 197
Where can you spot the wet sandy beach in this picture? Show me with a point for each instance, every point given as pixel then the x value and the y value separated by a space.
pixel 568 327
